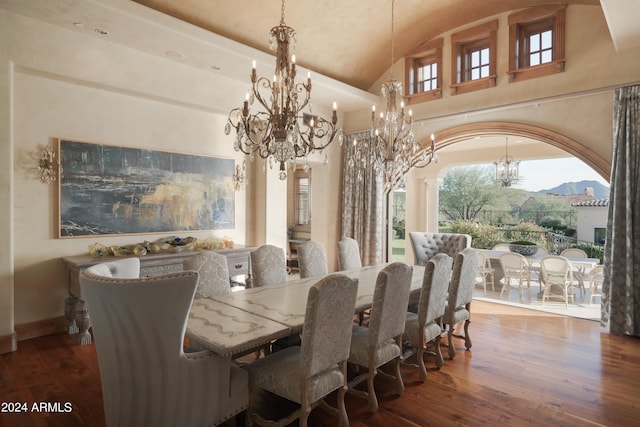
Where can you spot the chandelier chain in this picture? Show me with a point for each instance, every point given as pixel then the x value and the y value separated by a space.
pixel 392 40
pixel 282 14
pixel 391 149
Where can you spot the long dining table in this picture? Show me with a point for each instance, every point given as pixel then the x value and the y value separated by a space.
pixel 240 322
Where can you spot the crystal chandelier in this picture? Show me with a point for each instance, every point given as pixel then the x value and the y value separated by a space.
pixel 393 149
pixel 506 170
pixel 281 131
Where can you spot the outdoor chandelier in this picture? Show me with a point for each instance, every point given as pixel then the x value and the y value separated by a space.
pixel 506 171
pixel 393 148
pixel 280 131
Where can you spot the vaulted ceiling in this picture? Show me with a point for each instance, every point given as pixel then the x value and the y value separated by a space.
pixel 350 40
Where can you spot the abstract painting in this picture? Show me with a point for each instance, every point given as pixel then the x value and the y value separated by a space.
pixel 111 190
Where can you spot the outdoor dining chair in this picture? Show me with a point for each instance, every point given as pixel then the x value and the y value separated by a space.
pixel 557 275
pixel 515 268
pixel 578 270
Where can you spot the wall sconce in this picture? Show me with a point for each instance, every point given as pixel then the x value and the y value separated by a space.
pixel 240 177
pixel 48 164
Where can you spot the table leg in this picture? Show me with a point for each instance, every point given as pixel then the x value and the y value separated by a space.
pixel 69 307
pixel 84 322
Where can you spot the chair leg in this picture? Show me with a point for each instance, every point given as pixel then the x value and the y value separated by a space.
pixel 305 410
pixel 373 400
pixel 452 348
pixel 507 280
pixel 398 376
pixel 422 370
pixel 343 418
pixel 467 338
pixel 439 358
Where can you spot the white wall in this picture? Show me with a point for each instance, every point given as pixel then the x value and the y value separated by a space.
pixel 68 85
pixel 589 218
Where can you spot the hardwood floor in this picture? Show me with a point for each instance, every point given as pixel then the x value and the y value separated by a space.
pixel 526 368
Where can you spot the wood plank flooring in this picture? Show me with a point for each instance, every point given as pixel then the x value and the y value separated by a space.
pixel 526 368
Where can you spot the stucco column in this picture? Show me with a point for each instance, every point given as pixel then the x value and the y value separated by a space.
pixel 432 203
pixel 7 333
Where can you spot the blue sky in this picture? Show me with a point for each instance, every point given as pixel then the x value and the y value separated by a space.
pixel 536 175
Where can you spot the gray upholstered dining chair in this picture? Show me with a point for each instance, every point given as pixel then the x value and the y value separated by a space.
pixel 426 326
pixel 306 374
pixel 425 245
pixel 268 266
pixel 381 342
pixel 213 273
pixel 312 259
pixel 147 379
pixel 348 254
pixel 465 270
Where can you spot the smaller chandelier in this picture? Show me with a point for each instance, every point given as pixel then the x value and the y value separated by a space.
pixel 281 131
pixel 506 170
pixel 393 149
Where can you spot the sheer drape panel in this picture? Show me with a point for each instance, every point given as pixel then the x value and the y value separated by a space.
pixel 362 203
pixel 621 286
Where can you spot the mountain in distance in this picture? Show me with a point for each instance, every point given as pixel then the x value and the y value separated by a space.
pixel 569 188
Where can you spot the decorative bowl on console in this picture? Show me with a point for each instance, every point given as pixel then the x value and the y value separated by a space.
pixel 523 247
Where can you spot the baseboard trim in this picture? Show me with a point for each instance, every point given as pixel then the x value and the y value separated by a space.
pixel 8 343
pixel 41 328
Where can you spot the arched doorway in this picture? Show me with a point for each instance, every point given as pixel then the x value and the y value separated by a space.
pixel 475 130
pixel 422 202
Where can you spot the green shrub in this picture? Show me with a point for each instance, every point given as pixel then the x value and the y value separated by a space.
pixel 485 236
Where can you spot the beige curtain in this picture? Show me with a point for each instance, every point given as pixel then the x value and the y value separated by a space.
pixel 362 203
pixel 621 287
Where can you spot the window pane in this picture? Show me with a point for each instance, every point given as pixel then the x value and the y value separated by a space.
pixel 534 42
pixel 475 59
pixel 547 39
pixel 475 74
pixel 485 71
pixel 547 56
pixel 534 59
pixel 426 73
pixel 485 56
pixel 302 188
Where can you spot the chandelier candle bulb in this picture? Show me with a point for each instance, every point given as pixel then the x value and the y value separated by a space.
pixel 283 130
pixel 392 149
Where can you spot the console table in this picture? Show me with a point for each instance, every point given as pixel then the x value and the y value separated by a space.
pixel 150 265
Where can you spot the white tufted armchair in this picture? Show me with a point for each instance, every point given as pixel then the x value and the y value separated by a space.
pixel 426 245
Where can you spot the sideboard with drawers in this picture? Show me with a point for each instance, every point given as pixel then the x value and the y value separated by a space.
pixel 238 262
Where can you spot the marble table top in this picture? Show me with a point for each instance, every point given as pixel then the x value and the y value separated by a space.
pixel 229 331
pixel 230 324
